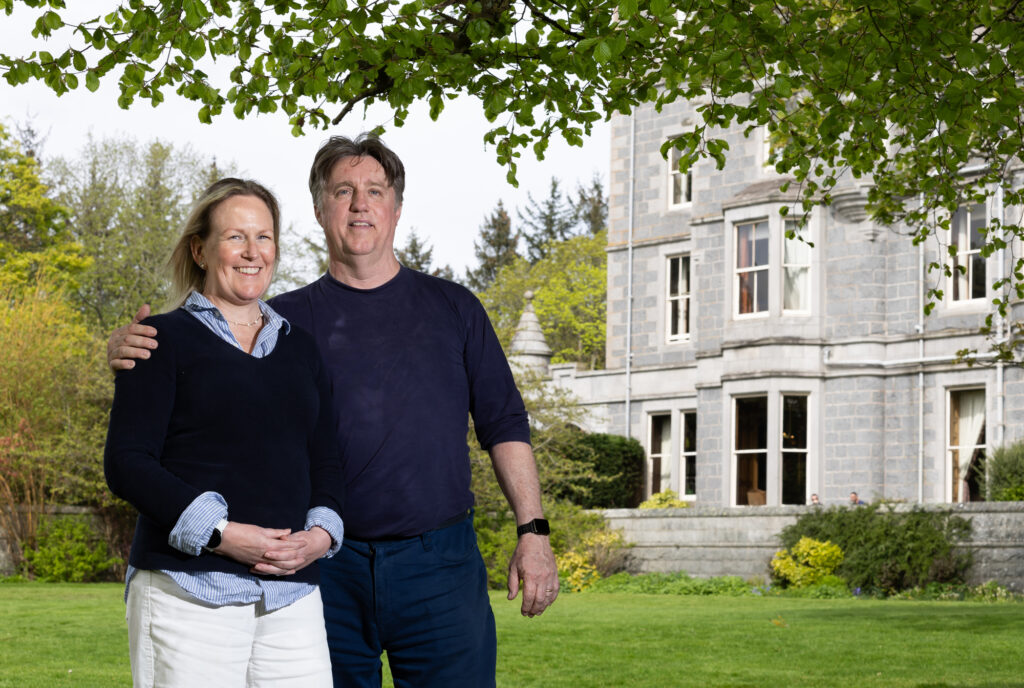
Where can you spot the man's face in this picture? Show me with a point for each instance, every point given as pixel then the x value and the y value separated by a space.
pixel 358 212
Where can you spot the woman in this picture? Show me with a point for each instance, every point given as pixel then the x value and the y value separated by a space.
pixel 223 440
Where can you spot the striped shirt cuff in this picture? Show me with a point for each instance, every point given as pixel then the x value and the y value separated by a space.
pixel 330 521
pixel 196 523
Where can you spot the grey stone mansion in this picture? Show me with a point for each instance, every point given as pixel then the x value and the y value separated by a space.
pixel 758 369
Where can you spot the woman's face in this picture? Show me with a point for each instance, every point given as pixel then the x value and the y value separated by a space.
pixel 239 253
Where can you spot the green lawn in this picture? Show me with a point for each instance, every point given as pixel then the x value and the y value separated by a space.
pixel 75 634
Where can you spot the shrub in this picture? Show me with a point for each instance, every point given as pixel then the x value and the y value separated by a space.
pixel 1004 473
pixel 69 550
pixel 885 550
pixel 985 592
pixel 575 573
pixel 666 499
pixel 618 463
pixel 828 588
pixel 581 538
pixel 678 583
pixel 54 400
pixel 807 563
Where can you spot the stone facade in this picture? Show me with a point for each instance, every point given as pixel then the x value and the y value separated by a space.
pixel 837 384
pixel 715 541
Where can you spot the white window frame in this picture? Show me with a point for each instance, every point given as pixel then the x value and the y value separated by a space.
pixel 788 265
pixel 664 456
pixel 805 450
pixel 960 226
pixel 738 453
pixel 953 491
pixel 774 390
pixel 766 267
pixel 681 299
pixel 673 173
pixel 687 456
pixel 768 212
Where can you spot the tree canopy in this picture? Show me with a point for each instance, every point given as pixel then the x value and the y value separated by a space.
pixel 125 203
pixel 570 289
pixel 903 94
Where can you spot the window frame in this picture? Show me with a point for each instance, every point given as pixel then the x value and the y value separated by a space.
pixel 660 461
pixel 960 235
pixel 687 181
pixel 685 299
pixel 800 236
pixel 737 453
pixel 774 391
pixel 805 451
pixel 755 224
pixel 687 458
pixel 950 470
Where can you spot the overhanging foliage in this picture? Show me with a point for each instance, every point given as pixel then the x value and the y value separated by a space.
pixel 904 94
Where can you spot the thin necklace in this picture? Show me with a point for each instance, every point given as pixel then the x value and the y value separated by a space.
pixel 248 324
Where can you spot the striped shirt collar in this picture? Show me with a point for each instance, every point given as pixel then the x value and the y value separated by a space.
pixel 208 314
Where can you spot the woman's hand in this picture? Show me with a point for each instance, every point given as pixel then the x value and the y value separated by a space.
pixel 247 543
pixel 293 552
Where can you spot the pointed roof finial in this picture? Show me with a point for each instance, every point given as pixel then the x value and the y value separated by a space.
pixel 529 349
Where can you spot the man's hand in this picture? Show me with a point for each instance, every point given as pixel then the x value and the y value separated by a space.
pixel 294 552
pixel 533 563
pixel 247 543
pixel 130 342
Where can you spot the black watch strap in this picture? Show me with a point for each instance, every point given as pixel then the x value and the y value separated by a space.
pixel 216 535
pixel 538 525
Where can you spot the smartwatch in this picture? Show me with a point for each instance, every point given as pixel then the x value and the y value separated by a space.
pixel 217 535
pixel 538 525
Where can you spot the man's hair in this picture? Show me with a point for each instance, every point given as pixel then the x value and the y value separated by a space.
pixel 186 276
pixel 338 147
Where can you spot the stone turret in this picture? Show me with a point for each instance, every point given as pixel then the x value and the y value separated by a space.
pixel 529 349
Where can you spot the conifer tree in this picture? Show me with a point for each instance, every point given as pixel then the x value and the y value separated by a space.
pixel 546 221
pixel 590 207
pixel 419 255
pixel 495 248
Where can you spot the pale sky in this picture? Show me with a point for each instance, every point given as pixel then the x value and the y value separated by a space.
pixel 452 180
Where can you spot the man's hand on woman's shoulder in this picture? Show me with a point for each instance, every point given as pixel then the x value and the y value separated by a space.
pixel 130 342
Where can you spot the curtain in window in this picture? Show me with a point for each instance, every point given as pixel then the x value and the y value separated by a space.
pixel 971 429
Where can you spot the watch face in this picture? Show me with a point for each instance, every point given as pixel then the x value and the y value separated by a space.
pixel 214 542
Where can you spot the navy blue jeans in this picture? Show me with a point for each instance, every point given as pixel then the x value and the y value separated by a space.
pixel 422 599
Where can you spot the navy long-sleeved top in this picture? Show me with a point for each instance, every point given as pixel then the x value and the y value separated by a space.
pixel 201 415
pixel 411 360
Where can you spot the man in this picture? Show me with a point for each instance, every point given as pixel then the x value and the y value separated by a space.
pixel 814 499
pixel 855 500
pixel 411 356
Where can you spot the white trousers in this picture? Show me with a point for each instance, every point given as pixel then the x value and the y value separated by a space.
pixel 176 640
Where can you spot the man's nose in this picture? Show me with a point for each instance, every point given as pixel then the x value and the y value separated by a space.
pixel 359 199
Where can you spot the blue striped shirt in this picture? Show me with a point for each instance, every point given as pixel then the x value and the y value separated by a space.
pixel 195 525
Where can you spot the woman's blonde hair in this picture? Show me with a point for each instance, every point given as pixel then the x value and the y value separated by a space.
pixel 186 276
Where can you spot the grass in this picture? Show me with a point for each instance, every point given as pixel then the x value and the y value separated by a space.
pixel 54 634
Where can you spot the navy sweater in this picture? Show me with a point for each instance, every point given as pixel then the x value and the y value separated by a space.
pixel 410 360
pixel 201 415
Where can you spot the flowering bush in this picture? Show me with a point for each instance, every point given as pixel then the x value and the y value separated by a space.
pixel 598 554
pixel 807 563
pixel 666 499
pixel 575 573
